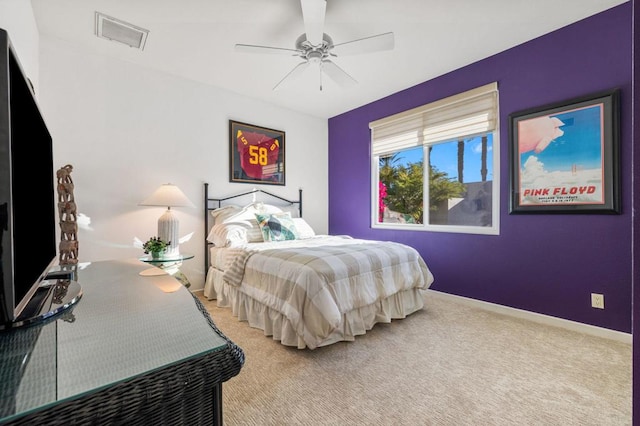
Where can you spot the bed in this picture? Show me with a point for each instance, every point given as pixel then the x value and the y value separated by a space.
pixel 267 265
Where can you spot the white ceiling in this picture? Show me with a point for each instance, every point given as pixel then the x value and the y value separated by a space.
pixel 195 39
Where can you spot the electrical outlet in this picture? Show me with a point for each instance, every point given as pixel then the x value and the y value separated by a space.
pixel 597 300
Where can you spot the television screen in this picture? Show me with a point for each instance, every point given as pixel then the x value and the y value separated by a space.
pixel 27 188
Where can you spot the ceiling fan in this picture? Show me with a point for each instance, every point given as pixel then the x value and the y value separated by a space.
pixel 316 47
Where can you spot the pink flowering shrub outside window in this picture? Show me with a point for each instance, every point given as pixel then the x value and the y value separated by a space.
pixel 382 194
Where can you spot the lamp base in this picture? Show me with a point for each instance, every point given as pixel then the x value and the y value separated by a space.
pixel 168 226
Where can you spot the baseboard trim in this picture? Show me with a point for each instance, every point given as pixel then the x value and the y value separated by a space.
pixel 539 318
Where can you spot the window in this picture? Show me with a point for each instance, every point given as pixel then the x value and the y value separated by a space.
pixel 436 167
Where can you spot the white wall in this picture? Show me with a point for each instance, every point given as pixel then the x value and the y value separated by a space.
pixel 16 17
pixel 126 130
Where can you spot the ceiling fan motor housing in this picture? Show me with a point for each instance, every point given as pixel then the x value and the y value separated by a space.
pixel 314 54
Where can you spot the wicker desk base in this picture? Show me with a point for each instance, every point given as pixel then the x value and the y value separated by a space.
pixel 189 393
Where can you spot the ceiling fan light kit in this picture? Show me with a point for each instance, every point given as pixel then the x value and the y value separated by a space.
pixel 316 47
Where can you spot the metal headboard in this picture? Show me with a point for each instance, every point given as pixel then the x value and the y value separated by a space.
pixel 215 203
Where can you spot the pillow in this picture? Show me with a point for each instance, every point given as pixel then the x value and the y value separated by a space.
pixel 293 209
pixel 245 217
pixel 228 235
pixel 249 212
pixel 220 215
pixel 304 229
pixel 277 226
pixel 263 208
pixel 254 233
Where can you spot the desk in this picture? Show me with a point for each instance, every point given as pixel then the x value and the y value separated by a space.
pixel 167 265
pixel 126 353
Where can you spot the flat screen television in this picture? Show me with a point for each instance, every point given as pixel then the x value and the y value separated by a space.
pixel 27 189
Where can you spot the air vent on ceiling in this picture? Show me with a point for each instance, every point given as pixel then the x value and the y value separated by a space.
pixel 120 31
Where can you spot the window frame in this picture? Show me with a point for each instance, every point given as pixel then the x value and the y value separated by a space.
pixel 494 229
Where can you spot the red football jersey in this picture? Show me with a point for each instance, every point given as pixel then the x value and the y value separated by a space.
pixel 258 154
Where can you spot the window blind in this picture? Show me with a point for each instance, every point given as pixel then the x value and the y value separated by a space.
pixel 465 114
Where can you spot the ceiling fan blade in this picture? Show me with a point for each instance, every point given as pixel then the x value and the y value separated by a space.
pixel 337 74
pixel 374 43
pixel 252 48
pixel 313 13
pixel 293 74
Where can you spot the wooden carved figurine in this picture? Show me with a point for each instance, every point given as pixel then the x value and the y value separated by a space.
pixel 67 213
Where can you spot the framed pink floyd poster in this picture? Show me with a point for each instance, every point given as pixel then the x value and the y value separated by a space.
pixel 565 156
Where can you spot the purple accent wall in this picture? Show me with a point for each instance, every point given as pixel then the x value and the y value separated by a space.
pixel 549 264
pixel 636 218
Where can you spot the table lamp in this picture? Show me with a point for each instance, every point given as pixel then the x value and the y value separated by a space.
pixel 170 196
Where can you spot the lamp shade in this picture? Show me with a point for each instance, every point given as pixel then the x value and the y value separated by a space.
pixel 167 195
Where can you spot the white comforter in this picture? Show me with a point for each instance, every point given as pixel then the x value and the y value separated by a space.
pixel 313 282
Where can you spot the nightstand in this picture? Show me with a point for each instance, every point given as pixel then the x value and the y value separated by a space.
pixel 167 265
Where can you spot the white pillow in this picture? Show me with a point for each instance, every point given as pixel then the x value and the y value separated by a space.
pixel 224 236
pixel 249 212
pixel 228 235
pixel 264 208
pixel 221 214
pixel 293 209
pixel 304 230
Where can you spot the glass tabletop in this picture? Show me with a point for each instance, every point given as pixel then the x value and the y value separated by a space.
pixel 124 326
pixel 171 258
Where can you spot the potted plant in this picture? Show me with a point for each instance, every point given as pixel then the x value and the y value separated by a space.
pixel 155 246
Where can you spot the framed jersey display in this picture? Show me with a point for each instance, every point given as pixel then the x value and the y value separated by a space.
pixel 256 154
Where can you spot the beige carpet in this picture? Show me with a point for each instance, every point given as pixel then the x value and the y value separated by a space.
pixel 449 364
